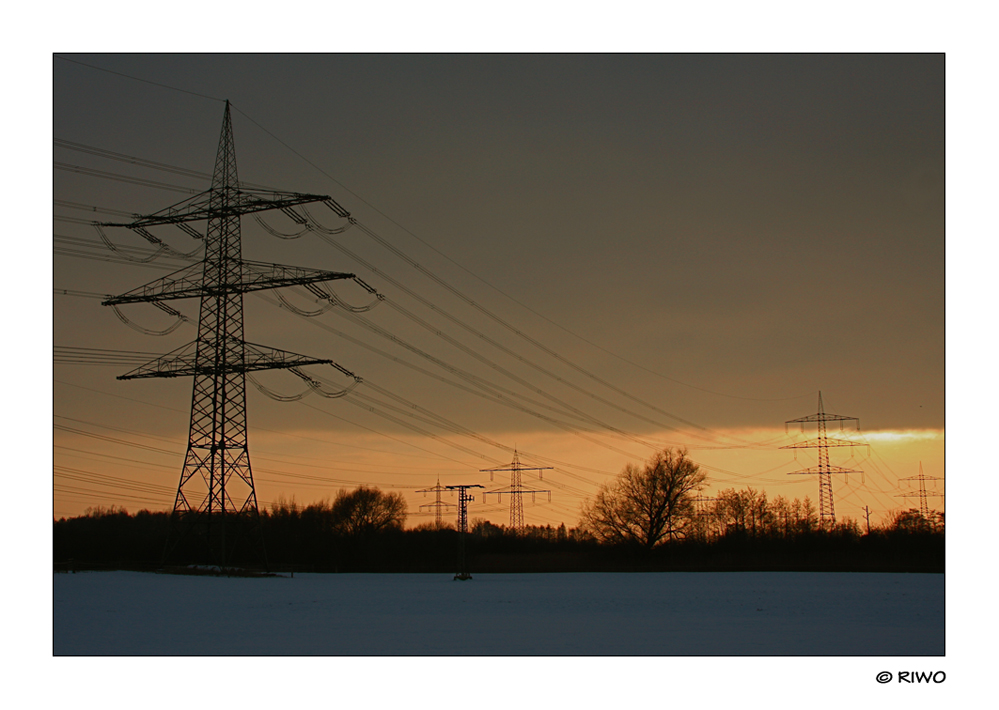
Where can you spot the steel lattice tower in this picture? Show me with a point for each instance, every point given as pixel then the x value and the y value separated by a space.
pixel 516 489
pixel 924 508
pixel 216 482
pixel 825 470
pixel 438 505
pixel 463 499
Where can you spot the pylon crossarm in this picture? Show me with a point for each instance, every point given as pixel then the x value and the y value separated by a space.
pixel 183 362
pixel 255 276
pixel 516 467
pixel 822 417
pixel 196 208
pixel 516 490
pixel 824 469
pixel 820 443
pixel 183 283
pixel 261 357
pixel 260 275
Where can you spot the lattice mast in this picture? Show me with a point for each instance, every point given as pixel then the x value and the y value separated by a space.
pixel 216 481
pixel 438 505
pixel 516 489
pixel 921 492
pixel 824 470
pixel 464 498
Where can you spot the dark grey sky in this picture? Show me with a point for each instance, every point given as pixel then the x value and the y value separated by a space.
pixel 758 226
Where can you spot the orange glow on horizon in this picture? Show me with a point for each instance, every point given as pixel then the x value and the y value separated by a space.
pixel 306 467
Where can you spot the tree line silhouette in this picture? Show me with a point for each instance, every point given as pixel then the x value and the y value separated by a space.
pixel 363 531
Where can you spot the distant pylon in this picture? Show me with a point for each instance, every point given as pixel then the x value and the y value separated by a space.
pixel 216 488
pixel 700 509
pixel 463 500
pixel 924 509
pixel 824 469
pixel 516 489
pixel 438 505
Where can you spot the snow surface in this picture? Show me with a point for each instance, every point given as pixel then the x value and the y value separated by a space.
pixel 676 613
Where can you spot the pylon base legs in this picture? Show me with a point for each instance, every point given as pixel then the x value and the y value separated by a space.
pixel 232 541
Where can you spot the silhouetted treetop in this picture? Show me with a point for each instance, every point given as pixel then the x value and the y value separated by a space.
pixel 367 510
pixel 646 505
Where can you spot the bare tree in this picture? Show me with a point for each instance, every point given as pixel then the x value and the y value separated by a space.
pixel 745 512
pixel 366 510
pixel 646 505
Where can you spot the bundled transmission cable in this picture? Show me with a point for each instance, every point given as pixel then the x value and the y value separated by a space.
pixel 482 388
pixel 310 224
pixel 285 303
pixel 313 386
pixel 125 178
pixel 160 251
pixel 433 419
pixel 491 341
pixel 324 292
pixel 180 319
pixel 98 356
pixel 489 391
pixel 280 235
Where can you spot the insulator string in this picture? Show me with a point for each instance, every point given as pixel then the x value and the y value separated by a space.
pixel 275 233
pixel 148 331
pixel 162 248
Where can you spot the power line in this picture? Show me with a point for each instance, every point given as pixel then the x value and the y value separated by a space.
pixel 428 245
pixel 99 356
pixel 493 342
pixel 93 172
pixel 427 272
pixel 135 78
pixel 478 356
pixel 140 162
pixel 444 284
pixel 376 210
pixel 111 439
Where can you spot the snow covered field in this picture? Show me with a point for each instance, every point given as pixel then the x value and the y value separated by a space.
pixel 744 613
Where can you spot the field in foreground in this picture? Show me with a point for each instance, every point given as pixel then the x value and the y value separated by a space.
pixel 678 613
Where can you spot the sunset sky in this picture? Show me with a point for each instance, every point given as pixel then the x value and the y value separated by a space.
pixel 742 230
pixel 650 250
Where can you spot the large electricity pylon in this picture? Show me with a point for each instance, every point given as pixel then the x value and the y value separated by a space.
pixel 438 505
pixel 216 482
pixel 516 489
pixel 922 494
pixel 463 500
pixel 825 470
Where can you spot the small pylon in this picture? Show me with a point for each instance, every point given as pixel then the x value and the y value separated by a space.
pixel 438 505
pixel 700 509
pixel 516 489
pixel 463 500
pixel 825 470
pixel 922 494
